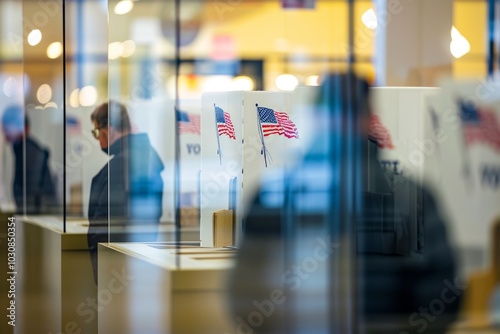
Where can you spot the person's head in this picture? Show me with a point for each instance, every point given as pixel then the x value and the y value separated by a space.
pixel 344 99
pixel 14 123
pixel 111 122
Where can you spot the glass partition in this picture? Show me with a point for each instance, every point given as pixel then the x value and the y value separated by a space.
pixel 39 152
pixel 256 67
pixel 141 120
pixel 64 75
pixel 318 139
pixel 11 97
pixel 86 80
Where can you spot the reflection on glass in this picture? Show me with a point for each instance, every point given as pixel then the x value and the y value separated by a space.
pixel 269 146
pixel 34 37
pixel 33 186
pixel 140 63
pixel 54 50
pixel 38 176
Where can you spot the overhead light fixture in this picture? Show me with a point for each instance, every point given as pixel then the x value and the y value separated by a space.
pixel 286 82
pixel 115 50
pixel 44 93
pixel 312 80
pixel 74 98
pixel 34 37
pixel 9 86
pixel 459 45
pixel 216 83
pixel 123 7
pixel 128 48
pixel 54 50
pixel 88 96
pixel 243 82
pixel 369 19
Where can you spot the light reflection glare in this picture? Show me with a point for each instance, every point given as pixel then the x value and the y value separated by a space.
pixel 34 37
pixel 123 7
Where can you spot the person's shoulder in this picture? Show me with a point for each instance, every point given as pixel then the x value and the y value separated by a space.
pixel 101 175
pixel 34 147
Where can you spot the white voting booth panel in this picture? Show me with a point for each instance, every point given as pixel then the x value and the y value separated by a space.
pixel 263 152
pixel 304 113
pixel 400 124
pixel 245 158
pixel 432 173
pixel 401 111
pixel 190 152
pixel 470 175
pixel 429 145
pixel 221 159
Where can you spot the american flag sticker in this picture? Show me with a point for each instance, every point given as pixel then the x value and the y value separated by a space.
pixel 276 122
pixel 189 123
pixel 479 125
pixel 224 123
pixel 73 125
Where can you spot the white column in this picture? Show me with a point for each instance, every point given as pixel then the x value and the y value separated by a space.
pixel 412 46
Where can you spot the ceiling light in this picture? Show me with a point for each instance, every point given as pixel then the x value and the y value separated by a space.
pixel 9 86
pixel 123 7
pixel 54 50
pixel 128 48
pixel 243 82
pixel 286 82
pixel 88 96
pixel 459 45
pixel 74 98
pixel 312 80
pixel 44 93
pixel 115 50
pixel 34 37
pixel 369 19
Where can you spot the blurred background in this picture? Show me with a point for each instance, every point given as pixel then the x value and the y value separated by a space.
pixel 293 199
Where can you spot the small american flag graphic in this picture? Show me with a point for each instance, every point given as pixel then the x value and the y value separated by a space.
pixel 276 122
pixel 189 123
pixel 479 125
pixel 224 123
pixel 73 125
pixel 379 133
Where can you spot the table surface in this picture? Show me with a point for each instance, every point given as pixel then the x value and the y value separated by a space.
pixel 77 225
pixel 185 257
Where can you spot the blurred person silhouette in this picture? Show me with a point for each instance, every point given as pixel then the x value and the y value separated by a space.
pixel 327 246
pixel 33 181
pixel 133 199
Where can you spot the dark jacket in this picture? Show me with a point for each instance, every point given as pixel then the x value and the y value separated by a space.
pixel 287 250
pixel 40 191
pixel 135 194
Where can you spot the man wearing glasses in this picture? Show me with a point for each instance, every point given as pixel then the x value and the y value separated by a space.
pixel 133 198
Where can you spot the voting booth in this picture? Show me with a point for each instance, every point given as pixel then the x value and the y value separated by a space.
pixel 400 127
pixel 467 117
pixel 229 97
pixel 243 135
